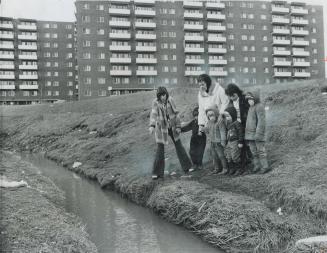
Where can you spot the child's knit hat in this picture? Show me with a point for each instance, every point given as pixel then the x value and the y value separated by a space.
pixel 232 112
pixel 213 109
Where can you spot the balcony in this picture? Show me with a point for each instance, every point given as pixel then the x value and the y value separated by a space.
pixel 300 43
pixel 282 63
pixel 282 74
pixel 301 74
pixel 27 47
pixel 28 67
pixel 193 15
pixel 300 32
pixel 116 23
pixel 121 1
pixel 120 60
pixel 299 21
pixel 300 53
pixel 6 26
pixel 151 25
pixel 212 38
pixel 29 87
pixel 146 48
pixel 216 16
pixel 6 36
pixel 281 52
pixel 119 35
pixel 146 72
pixel 213 5
pixel 217 50
pixel 217 61
pixel 119 48
pixel 193 27
pixel 120 72
pixel 144 2
pixel 194 50
pixel 301 64
pixel 146 60
pixel 281 42
pixel 31 27
pixel 140 36
pixel 27 57
pixel 119 12
pixel 6 46
pixel 299 11
pixel 216 28
pixel 281 31
pixel 7 56
pixel 7 66
pixel 145 13
pixel 194 61
pixel 194 38
pixel 27 37
pixel 281 10
pixel 192 4
pixel 28 77
pixel 280 20
pixel 217 73
pixel 7 76
pixel 7 87
pixel 194 72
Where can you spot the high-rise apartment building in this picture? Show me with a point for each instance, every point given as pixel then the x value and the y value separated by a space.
pixel 37 61
pixel 124 46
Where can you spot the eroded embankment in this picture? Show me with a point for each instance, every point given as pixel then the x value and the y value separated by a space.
pixel 236 214
pixel 33 218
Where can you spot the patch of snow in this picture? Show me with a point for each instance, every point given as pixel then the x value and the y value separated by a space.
pixel 279 211
pixel 11 184
pixel 316 239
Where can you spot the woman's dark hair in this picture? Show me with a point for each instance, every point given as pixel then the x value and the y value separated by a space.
pixel 233 88
pixel 206 78
pixel 161 91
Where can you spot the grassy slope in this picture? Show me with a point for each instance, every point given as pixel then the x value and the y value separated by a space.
pixel 110 138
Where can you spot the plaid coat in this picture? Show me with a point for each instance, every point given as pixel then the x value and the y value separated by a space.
pixel 163 117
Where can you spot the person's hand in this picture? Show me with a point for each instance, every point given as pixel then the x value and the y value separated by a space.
pixel 240 145
pixel 151 129
pixel 178 130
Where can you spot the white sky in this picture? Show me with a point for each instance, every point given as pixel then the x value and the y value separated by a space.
pixel 64 10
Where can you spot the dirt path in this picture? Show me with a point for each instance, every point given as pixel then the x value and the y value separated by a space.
pixel 32 217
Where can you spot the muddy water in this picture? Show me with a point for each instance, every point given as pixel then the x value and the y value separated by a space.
pixel 116 225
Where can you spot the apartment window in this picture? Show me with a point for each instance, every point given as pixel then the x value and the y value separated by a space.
pixel 46 26
pixel 86 43
pixel 172 34
pixel 56 83
pixel 55 73
pixel 55 64
pixel 246 59
pixel 86 6
pixel 263 17
pixel 252 59
pixel 264 38
pixel 165 69
pixel 70 93
pixel 230 14
pixel 244 26
pixel 231 36
pixel 88 93
pixel 173 57
pixel 172 45
pixel 46 44
pixel 101 80
pixel 69 45
pixel 100 19
pixel 48 83
pixel 254 70
pixel 232 70
pixel 231 47
pixel 86 56
pixel 164 45
pixel 264 6
pixel 69 83
pixel 264 27
pixel 164 22
pixel 86 31
pixel 86 19
pixel 54 26
pixel 47 54
pixel 164 57
pixel 54 35
pixel 245 48
pixel 102 93
pixel 315 61
pixel 47 64
pixel 87 68
pixel 100 31
pixel 313 21
pixel 164 34
pixel 173 23
pixel 173 69
pixel 265 59
pixel 313 10
pixel 232 58
pixel 252 48
pixel 266 70
pixel 55 54
pixel 100 7
pixel 55 45
pixel 230 26
pixel 172 11
pixel 100 43
pixel 68 26
pixel 251 16
pixel 101 68
pixel 47 35
pixel 314 41
pixel 265 49
pixel 69 36
pixel 315 51
pixel 252 37
pixel 87 80
pixel 244 37
pixel 49 93
pixel 101 56
pixel 314 30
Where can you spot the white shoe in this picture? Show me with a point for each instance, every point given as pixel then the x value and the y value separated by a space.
pixel 191 170
pixel 154 177
pixel 173 173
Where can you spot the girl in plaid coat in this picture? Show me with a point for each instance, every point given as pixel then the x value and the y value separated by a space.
pixel 164 121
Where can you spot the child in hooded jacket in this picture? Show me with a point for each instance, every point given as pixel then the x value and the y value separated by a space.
pixel 255 132
pixel 216 132
pixel 235 139
pixel 197 143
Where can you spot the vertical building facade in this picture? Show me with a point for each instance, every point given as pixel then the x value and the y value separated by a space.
pixel 124 45
pixel 37 61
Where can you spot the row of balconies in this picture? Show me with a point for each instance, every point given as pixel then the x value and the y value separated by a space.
pixel 129 72
pixel 288 52
pixel 127 12
pixel 288 42
pixel 201 50
pixel 23 47
pixel 20 36
pixel 128 36
pixel 286 10
pixel 301 74
pixel 22 87
pixel 289 63
pixel 284 20
pixel 137 2
pixel 198 4
pixel 288 31
pixel 117 23
pixel 201 61
pixel 129 48
pixel 211 72
pixel 23 67
pixel 138 60
pixel 22 77
pixel 199 27
pixel 210 16
pixel 20 27
pixel 21 57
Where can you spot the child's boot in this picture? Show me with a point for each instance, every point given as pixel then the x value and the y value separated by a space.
pixel 239 169
pixel 256 165
pixel 233 168
pixel 265 166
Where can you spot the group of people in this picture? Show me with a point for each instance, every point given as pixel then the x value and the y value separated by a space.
pixel 232 121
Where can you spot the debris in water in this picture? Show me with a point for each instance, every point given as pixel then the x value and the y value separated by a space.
pixel 76 164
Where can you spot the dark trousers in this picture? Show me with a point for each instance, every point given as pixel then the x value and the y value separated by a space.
pixel 159 161
pixel 197 147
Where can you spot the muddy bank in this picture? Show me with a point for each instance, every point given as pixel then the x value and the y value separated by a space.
pixel 109 140
pixel 33 218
